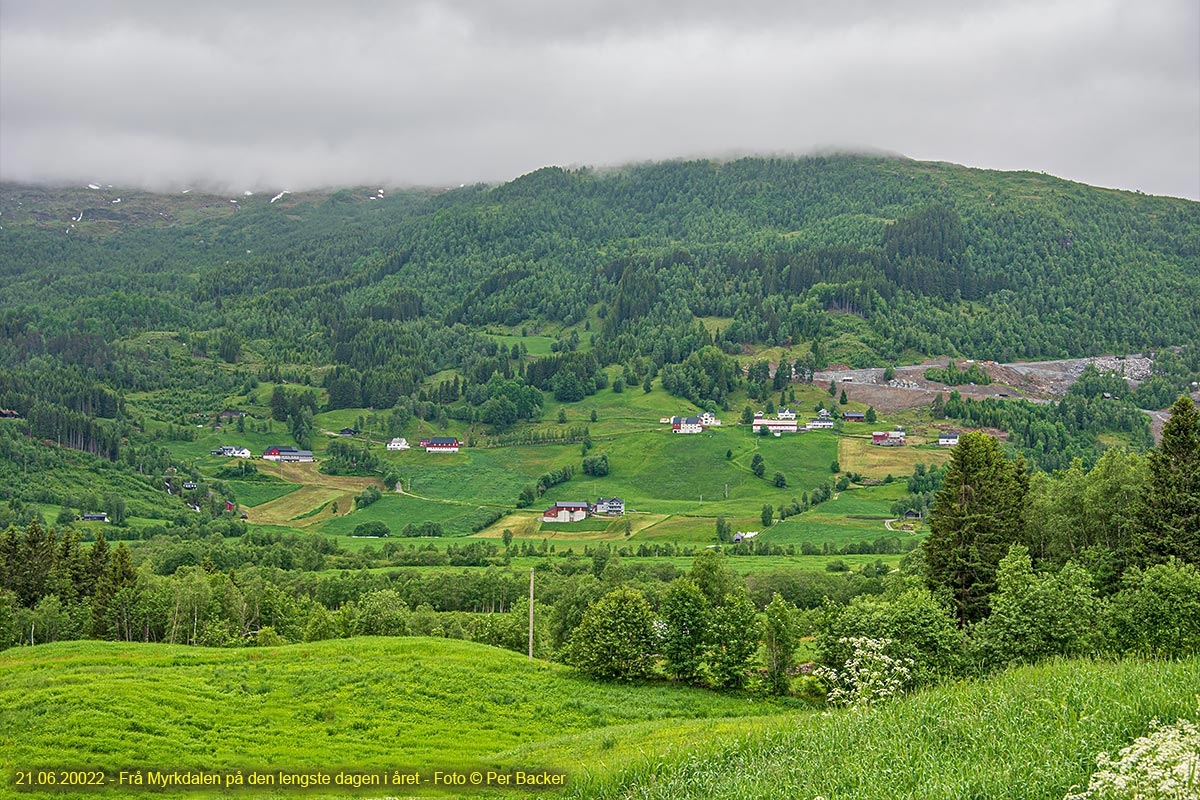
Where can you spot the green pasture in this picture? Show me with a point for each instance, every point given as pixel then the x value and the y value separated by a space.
pixel 255 493
pixel 398 510
pixel 535 345
pixel 662 472
pixel 365 703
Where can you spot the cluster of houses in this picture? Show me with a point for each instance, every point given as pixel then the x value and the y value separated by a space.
pixel 785 421
pixel 398 443
pixel 572 511
pixel 229 451
pixel 696 424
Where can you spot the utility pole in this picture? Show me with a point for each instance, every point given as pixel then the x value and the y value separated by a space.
pixel 531 614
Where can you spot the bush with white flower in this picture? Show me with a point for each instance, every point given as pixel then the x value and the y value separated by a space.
pixel 1163 765
pixel 869 677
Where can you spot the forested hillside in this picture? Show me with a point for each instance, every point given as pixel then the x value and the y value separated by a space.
pixel 918 258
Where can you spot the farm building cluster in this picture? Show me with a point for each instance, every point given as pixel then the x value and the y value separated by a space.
pixel 896 438
pixel 696 424
pixel 440 444
pixel 231 451
pixel 785 421
pixel 287 454
pixel 574 511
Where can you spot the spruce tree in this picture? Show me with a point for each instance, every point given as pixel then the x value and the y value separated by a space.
pixel 1169 518
pixel 976 517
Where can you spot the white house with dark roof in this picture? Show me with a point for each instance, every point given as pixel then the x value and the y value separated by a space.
pixel 609 505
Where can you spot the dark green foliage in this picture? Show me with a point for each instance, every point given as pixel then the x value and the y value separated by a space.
pixel 733 640
pixel 767 514
pixel 953 376
pixel 596 466
pixel 724 529
pixel 1169 516
pixel 780 481
pixel 422 529
pixel 758 465
pixel 1157 611
pixel 349 458
pixel 373 528
pixel 527 498
pixel 919 626
pixel 615 637
pixel 554 478
pixel 687 615
pixel 368 496
pixel 712 576
pixel 1038 616
pixel 780 636
pixel 977 516
pixel 1050 435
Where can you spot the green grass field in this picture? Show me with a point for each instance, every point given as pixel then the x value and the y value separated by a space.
pixel 367 703
pixel 373 704
pixel 399 510
pixel 1031 733
pixel 840 521
pixel 255 493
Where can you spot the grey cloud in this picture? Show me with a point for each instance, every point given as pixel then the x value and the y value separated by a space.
pixel 295 95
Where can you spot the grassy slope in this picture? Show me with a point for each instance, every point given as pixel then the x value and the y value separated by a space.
pixel 381 703
pixel 362 703
pixel 1027 733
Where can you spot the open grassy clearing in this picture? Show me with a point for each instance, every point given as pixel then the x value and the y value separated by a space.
pixel 669 473
pixel 295 508
pixel 534 345
pixel 366 703
pixel 399 510
pixel 838 521
pixel 859 455
pixel 255 493
pixel 1030 733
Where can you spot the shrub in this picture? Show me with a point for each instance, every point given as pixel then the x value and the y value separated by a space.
pixel 372 528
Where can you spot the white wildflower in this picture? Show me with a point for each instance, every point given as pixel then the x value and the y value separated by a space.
pixel 869 676
pixel 1163 765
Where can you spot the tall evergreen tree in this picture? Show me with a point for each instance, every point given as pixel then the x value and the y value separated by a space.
pixel 975 519
pixel 1169 522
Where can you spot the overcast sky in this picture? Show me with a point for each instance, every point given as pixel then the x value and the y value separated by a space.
pixel 292 95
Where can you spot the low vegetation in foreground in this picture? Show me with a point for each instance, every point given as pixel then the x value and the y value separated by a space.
pixel 1025 734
